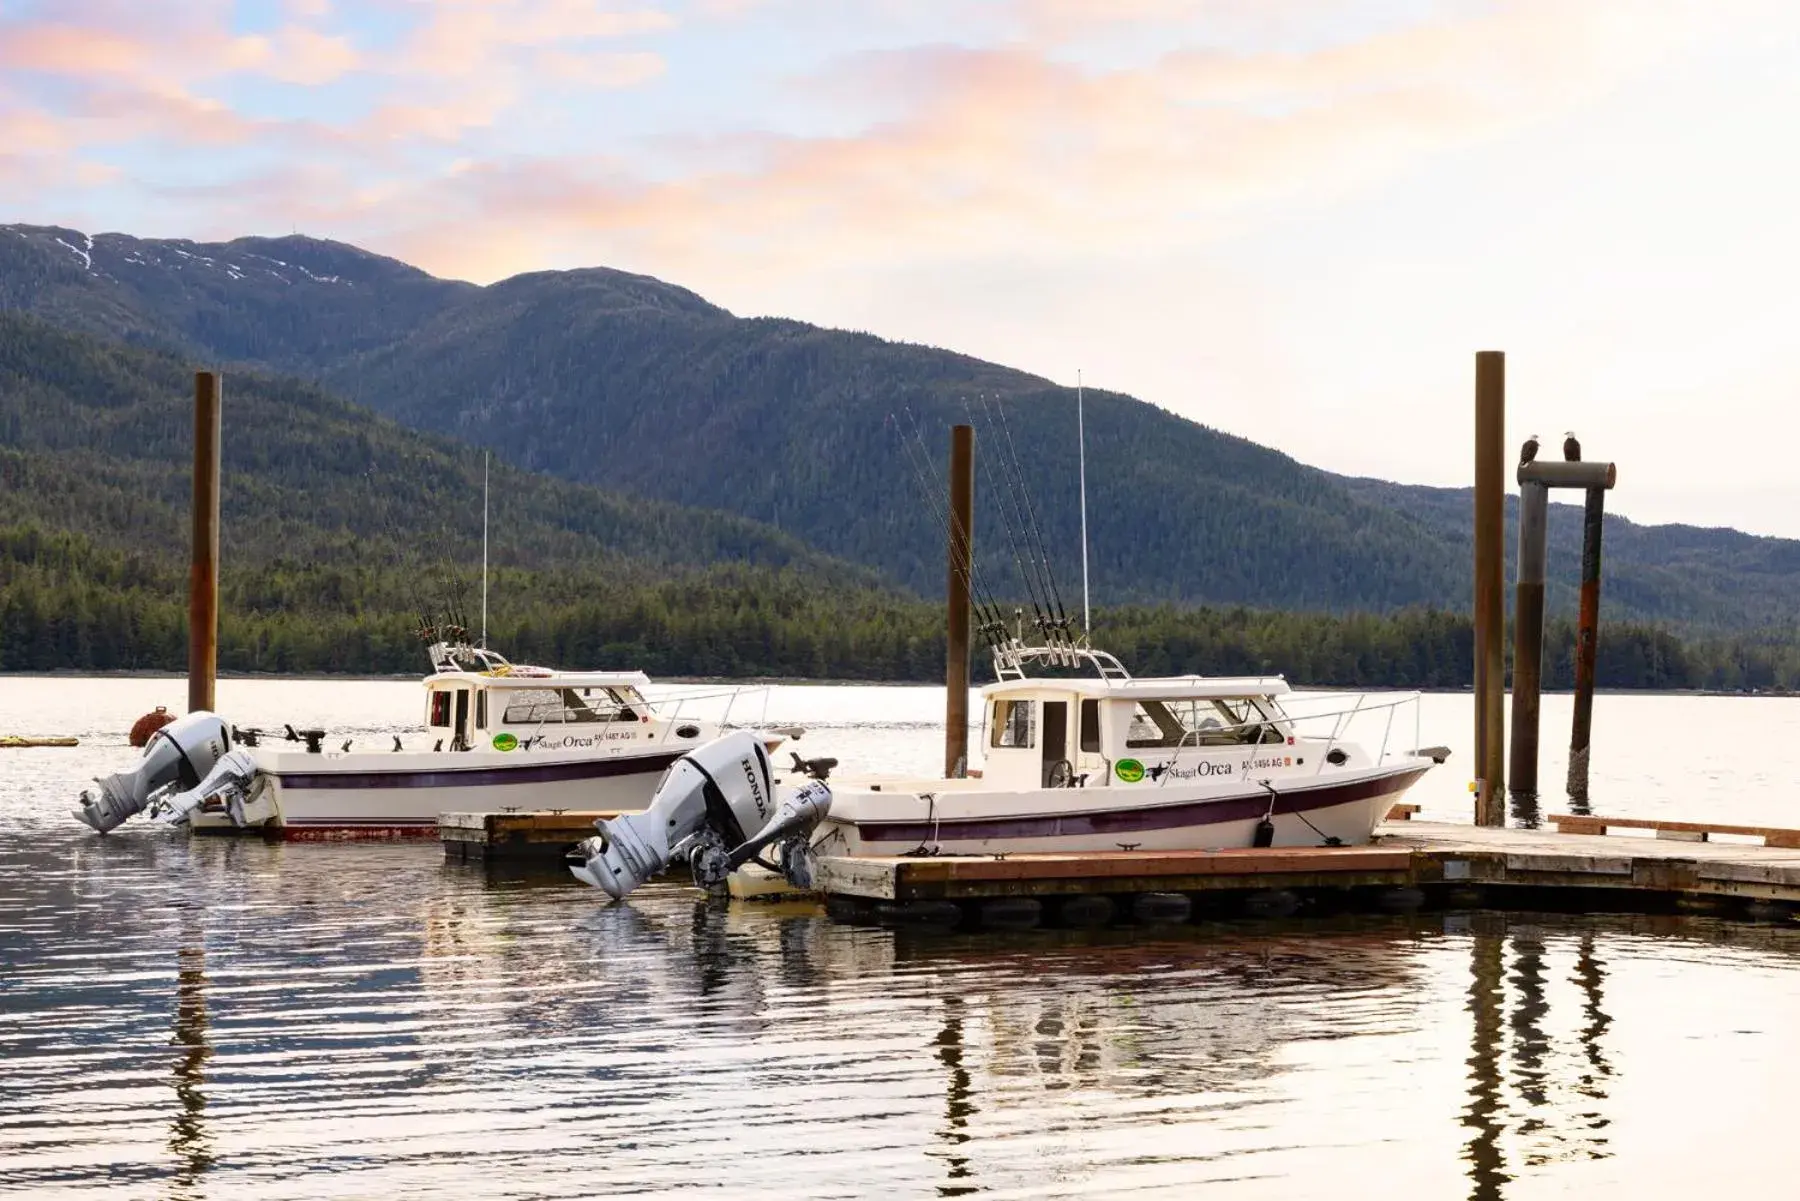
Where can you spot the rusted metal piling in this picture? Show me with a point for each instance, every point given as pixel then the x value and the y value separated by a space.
pixel 203 571
pixel 1490 576
pixel 1536 478
pixel 1528 646
pixel 1587 643
pixel 959 571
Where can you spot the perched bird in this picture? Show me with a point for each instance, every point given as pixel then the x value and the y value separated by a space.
pixel 1571 448
pixel 1528 451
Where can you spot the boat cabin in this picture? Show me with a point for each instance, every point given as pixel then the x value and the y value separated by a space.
pixel 512 706
pixel 1092 733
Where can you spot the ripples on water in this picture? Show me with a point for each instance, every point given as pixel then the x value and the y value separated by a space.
pixel 231 1019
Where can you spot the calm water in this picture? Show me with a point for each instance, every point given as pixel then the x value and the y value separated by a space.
pixel 238 1020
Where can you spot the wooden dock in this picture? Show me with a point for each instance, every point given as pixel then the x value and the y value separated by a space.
pixel 538 837
pixel 1410 865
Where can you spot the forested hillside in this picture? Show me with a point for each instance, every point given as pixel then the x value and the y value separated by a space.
pixel 340 528
pixel 66 603
pixel 97 439
pixel 642 387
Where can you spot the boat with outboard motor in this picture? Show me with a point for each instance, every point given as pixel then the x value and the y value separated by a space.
pixel 1109 762
pixel 502 735
pixel 1070 764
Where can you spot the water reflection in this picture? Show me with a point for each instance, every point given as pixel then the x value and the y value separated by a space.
pixel 1534 1123
pixel 957 1103
pixel 1527 813
pixel 189 1141
pixel 370 1011
pixel 1482 1115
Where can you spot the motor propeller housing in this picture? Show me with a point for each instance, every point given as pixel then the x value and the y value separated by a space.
pixel 177 757
pixel 718 803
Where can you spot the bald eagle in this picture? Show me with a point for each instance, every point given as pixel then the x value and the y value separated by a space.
pixel 1571 448
pixel 1528 452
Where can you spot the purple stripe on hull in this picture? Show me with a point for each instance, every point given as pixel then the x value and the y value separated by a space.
pixel 354 823
pixel 482 777
pixel 1126 821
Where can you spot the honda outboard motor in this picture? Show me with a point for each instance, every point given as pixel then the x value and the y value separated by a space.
pixel 717 804
pixel 176 757
pixel 229 783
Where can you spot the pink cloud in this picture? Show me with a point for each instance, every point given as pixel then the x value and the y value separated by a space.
pixel 1012 151
pixel 300 55
pixel 463 37
pixel 71 50
pixel 602 70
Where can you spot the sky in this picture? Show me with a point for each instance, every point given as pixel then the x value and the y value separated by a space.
pixel 1293 220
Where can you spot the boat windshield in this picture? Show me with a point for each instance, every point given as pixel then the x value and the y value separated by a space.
pixel 1204 721
pixel 553 706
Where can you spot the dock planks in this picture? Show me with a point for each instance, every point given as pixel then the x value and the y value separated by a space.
pixel 1408 854
pixel 1475 865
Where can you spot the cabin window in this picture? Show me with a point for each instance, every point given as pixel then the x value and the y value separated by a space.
pixel 1015 724
pixel 1090 726
pixel 440 709
pixel 462 714
pixel 1206 721
pixel 481 710
pixel 556 706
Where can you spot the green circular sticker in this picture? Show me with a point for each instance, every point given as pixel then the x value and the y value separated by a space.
pixel 505 741
pixel 1129 770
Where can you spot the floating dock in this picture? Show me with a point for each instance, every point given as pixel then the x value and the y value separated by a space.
pixel 515 837
pixel 1410 865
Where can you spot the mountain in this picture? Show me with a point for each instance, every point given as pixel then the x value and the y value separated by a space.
pixel 96 438
pixel 638 386
pixel 335 523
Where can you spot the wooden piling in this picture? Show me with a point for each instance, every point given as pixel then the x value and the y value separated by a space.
pixel 1528 645
pixel 203 572
pixel 1587 642
pixel 960 567
pixel 1490 574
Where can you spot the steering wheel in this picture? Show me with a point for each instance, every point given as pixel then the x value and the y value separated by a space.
pixel 1061 774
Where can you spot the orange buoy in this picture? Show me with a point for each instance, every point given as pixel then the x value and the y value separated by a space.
pixel 149 724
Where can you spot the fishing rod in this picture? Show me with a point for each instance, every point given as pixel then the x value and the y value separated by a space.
pixel 1025 578
pixel 1037 533
pixel 1046 619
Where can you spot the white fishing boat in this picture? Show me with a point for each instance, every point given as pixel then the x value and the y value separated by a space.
pixel 1108 762
pixel 1070 764
pixel 496 735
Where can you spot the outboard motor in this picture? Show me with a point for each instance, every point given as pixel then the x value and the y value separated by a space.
pixel 718 805
pixel 176 757
pixel 229 783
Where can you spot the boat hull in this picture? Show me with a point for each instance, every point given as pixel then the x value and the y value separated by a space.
pixel 399 796
pixel 1304 813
